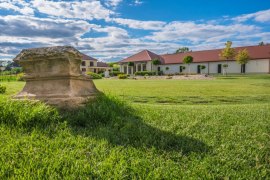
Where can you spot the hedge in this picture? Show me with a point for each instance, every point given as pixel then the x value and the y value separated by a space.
pixel 150 73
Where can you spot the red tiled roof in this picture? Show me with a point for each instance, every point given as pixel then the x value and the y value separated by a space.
pixel 255 52
pixel 86 57
pixel 144 55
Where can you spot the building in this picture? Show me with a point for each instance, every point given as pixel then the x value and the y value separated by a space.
pixel 90 64
pixel 171 63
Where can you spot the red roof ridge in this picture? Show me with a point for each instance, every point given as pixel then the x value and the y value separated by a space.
pixel 216 49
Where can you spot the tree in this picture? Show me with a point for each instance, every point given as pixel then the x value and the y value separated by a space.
pixel 182 50
pixel 188 60
pixel 242 58
pixel 261 43
pixel 156 62
pixel 227 53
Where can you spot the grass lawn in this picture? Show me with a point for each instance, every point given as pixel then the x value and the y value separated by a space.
pixel 143 129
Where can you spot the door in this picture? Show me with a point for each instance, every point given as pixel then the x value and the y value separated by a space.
pixel 219 68
pixel 198 69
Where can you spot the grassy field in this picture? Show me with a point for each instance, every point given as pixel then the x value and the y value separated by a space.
pixel 143 129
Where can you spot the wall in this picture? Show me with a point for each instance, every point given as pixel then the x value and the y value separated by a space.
pixel 253 66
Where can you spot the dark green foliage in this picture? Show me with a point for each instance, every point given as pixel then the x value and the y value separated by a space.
pixel 94 75
pixel 2 89
pixel 122 76
pixel 202 66
pixel 188 59
pixel 156 62
pixel 130 63
pixel 150 73
pixel 182 50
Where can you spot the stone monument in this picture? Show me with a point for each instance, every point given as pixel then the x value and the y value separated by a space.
pixel 53 75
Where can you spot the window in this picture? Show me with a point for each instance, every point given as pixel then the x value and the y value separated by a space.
pixel 83 69
pixel 91 63
pixel 83 63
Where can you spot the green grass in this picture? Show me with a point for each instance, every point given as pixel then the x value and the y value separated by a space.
pixel 119 137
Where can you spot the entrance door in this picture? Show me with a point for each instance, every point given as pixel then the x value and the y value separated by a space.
pixel 219 68
pixel 198 69
pixel 243 68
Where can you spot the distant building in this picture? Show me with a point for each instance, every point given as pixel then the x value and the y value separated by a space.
pixel 170 63
pixel 90 64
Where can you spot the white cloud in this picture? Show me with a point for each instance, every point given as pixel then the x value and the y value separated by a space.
pixel 136 24
pixel 138 2
pixel 113 3
pixel 87 10
pixel 18 6
pixel 260 16
pixel 177 31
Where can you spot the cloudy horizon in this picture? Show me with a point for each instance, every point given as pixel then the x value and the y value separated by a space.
pixel 111 30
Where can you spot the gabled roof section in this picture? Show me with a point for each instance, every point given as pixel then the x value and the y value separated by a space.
pixel 144 55
pixel 86 57
pixel 255 52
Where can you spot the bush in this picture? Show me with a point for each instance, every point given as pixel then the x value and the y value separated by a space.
pixel 122 76
pixel 115 73
pixel 20 77
pixel 94 75
pixel 2 89
pixel 150 73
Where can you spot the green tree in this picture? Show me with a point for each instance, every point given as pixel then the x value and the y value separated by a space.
pixel 156 62
pixel 227 53
pixel 188 60
pixel 182 50
pixel 242 57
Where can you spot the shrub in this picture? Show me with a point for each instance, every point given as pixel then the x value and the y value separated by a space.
pixel 20 77
pixel 94 75
pixel 2 89
pixel 122 76
pixel 150 73
pixel 115 73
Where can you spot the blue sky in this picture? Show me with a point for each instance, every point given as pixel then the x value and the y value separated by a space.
pixel 113 29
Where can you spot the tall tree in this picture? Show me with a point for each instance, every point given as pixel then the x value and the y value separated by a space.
pixel 182 50
pixel 242 58
pixel 188 60
pixel 227 53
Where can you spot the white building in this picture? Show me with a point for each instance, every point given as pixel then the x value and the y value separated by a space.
pixel 171 63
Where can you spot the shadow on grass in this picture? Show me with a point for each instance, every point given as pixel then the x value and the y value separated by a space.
pixel 111 119
pixel 106 118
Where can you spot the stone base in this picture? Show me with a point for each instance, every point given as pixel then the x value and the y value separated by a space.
pixel 63 92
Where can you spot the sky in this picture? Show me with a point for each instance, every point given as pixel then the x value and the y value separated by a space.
pixel 111 30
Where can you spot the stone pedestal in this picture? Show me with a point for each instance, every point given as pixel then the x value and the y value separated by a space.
pixel 53 75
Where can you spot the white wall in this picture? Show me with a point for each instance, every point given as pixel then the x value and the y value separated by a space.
pixel 253 66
